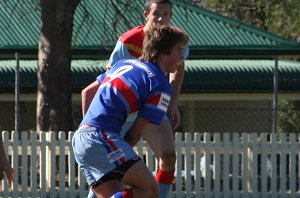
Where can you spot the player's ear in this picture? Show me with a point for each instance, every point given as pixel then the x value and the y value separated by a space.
pixel 162 56
pixel 146 15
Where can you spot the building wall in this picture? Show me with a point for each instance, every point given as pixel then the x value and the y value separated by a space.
pixel 27 114
pixel 200 112
pixel 227 116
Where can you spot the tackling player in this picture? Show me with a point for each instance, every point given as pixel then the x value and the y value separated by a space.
pixel 129 45
pixel 104 157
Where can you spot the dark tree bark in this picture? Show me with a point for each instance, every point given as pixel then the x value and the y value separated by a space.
pixel 54 94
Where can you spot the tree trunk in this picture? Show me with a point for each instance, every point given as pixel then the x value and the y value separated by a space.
pixel 54 94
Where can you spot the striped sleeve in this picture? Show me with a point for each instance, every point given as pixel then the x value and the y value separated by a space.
pixel 155 108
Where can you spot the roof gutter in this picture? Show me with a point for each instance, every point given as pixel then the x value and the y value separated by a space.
pixel 244 53
pixel 104 53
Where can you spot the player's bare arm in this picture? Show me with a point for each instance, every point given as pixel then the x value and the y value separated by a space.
pixel 134 134
pixel 87 95
pixel 176 80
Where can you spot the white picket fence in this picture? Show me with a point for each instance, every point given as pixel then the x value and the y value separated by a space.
pixel 239 165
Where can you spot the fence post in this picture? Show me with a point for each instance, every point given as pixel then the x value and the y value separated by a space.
pixel 5 146
pixel 17 93
pixel 218 168
pixel 263 165
pixel 43 163
pixel 226 165
pixel 15 161
pixel 207 168
pixel 48 159
pixel 188 164
pixel 293 162
pixel 179 144
pixel 62 163
pixel 253 166
pixel 274 165
pixel 275 97
pixel 197 167
pixel 245 168
pixel 250 163
pixel 71 164
pixel 235 164
pixel 34 158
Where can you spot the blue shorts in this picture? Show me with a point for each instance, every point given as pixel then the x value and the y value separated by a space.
pixel 98 152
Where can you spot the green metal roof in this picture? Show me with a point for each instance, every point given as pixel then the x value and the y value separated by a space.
pixel 97 26
pixel 234 76
pixel 201 76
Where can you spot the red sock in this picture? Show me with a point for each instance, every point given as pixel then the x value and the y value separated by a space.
pixel 164 177
pixel 127 193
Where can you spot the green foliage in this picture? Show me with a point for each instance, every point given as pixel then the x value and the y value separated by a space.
pixel 289 116
pixel 280 17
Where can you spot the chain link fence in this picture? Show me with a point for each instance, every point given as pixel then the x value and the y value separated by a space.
pixel 201 117
pixel 228 120
pixel 240 119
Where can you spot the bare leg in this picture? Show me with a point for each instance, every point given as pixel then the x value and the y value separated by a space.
pixel 138 177
pixel 162 143
pixel 108 189
pixel 161 140
pixel 141 180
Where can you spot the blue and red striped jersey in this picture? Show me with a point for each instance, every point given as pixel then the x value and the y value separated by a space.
pixel 130 86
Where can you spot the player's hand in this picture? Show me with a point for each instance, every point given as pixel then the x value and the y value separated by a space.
pixel 9 172
pixel 174 116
